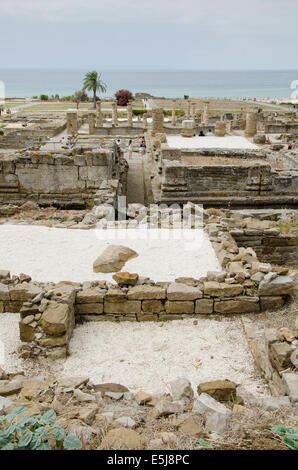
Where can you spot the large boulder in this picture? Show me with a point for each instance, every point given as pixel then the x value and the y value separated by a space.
pixel 113 259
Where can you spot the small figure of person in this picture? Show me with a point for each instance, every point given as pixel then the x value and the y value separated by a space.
pixel 68 143
pixel 201 134
pixel 289 146
pixel 118 142
pixel 143 146
pixel 209 133
pixel 130 150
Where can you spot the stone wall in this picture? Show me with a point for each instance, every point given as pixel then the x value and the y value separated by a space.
pixel 251 183
pixel 67 179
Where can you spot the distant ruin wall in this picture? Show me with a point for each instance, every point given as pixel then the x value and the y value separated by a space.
pixel 227 184
pixel 54 179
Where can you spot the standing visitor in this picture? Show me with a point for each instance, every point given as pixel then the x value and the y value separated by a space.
pixel 143 146
pixel 209 133
pixel 130 149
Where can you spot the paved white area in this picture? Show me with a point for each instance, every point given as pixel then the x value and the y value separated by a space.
pixel 146 356
pixel 57 254
pixel 228 142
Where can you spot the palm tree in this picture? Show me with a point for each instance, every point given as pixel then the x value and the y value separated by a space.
pixel 93 82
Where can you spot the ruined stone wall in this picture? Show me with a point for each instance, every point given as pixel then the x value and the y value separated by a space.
pixel 54 179
pixel 250 183
pixel 281 128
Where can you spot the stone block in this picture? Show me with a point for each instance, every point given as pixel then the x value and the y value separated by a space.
pixel 220 390
pixel 244 305
pixel 177 291
pixel 217 289
pixel 56 318
pixel 89 308
pixel 179 306
pixel 122 307
pixel 281 285
pixel 281 355
pixel 145 292
pixel 271 302
pixel 152 306
pixel 204 306
pixel 92 295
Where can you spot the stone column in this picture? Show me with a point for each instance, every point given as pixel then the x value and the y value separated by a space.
pixel 174 114
pixel 129 115
pixel 206 113
pixel 91 122
pixel 193 110
pixel 114 114
pixel 188 126
pixel 188 110
pixel 72 122
pixel 251 124
pixel 157 120
pixel 220 129
pixel 99 120
pixel 145 124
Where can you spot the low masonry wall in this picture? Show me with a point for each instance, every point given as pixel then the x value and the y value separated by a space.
pixel 247 184
pixel 48 312
pixel 62 179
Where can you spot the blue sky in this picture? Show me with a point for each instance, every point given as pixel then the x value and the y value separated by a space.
pixel 146 34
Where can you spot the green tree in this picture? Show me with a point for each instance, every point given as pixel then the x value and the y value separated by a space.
pixel 93 82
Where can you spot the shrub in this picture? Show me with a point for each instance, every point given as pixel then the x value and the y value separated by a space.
pixel 123 97
pixel 34 432
pixel 178 112
pixel 138 112
pixel 44 97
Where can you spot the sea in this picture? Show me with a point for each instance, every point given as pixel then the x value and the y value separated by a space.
pixel 236 84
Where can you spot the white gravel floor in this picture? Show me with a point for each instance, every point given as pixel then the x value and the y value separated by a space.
pixel 57 254
pixel 147 356
pixel 228 142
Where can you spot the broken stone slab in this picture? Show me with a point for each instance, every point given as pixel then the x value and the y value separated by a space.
pixel 83 397
pixel 270 403
pixel 290 380
pixel 11 387
pixel 281 285
pixel 216 414
pixel 73 382
pixel 142 398
pixel 218 276
pixel 113 259
pixel 114 395
pixel 220 390
pixel 110 387
pixel 191 428
pixel 181 389
pixel 239 305
pixel 24 292
pixel 178 291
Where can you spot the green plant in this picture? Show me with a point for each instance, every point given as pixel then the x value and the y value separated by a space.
pixel 93 82
pixel 44 97
pixel 138 112
pixel 34 432
pixel 289 436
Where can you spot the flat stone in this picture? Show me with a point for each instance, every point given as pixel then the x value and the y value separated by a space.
pixel 32 388
pixel 125 278
pixel 128 307
pixel 270 403
pixel 122 439
pixel 83 397
pixel 269 302
pixel 178 291
pixel 216 289
pixel 24 292
pixel 218 276
pixel 92 295
pixel 190 427
pixel 11 388
pixel 114 395
pixel 89 309
pixel 281 285
pixel 110 387
pixel 73 382
pixel 145 292
pixel 152 306
pixel 220 390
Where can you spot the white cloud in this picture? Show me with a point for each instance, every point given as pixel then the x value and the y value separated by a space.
pixel 214 13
